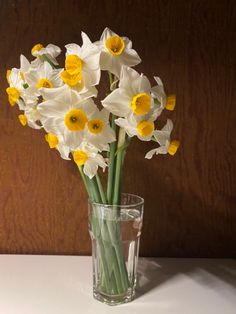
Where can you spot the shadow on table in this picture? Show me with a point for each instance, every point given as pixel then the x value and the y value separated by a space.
pixel 153 273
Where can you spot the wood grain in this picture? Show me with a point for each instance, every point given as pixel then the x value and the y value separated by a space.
pixel 190 199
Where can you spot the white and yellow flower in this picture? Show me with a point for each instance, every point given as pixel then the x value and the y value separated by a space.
pixel 43 77
pixel 17 92
pixel 30 117
pixel 161 100
pixel 56 142
pixel 132 96
pixel 50 52
pixel 99 133
pixel 116 51
pixel 88 156
pixel 142 127
pixel 67 115
pixel 82 64
pixel 162 137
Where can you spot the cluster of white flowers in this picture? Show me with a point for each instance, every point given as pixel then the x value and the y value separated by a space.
pixel 61 100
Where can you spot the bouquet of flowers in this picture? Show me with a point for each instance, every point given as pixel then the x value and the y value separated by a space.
pixel 62 102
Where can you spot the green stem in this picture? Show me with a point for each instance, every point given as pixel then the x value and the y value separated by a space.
pixel 95 191
pixel 119 161
pixel 100 188
pixel 86 183
pixel 111 165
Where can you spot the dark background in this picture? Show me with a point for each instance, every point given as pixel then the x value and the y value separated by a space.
pixel 190 198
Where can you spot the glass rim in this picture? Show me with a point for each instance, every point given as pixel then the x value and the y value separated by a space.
pixel 138 203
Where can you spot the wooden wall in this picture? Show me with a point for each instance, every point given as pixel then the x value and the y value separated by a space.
pixel 190 199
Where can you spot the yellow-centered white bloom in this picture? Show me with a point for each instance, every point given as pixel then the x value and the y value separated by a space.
pixel 31 117
pixel 116 51
pixel 142 127
pixel 44 76
pixel 163 139
pixel 98 130
pixel 82 65
pixel 161 100
pixel 88 156
pixel 67 115
pixel 132 96
pixel 17 91
pixel 50 52
pixel 56 142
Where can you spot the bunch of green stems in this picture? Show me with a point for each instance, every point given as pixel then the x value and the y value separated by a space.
pixel 114 272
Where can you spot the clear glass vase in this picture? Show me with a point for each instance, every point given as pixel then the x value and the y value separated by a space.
pixel 115 232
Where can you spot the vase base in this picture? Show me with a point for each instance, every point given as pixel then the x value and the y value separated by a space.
pixel 114 299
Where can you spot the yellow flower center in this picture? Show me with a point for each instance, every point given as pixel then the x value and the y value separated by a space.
pixel 71 80
pixel 80 157
pixel 8 76
pixel 44 82
pixel 13 95
pixel 115 45
pixel 36 48
pixel 170 102
pixel 173 147
pixel 141 103
pixel 52 140
pixel 75 120
pixel 73 64
pixel 145 128
pixel 23 119
pixel 95 126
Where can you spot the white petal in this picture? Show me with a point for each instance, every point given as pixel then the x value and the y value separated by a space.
pixel 73 138
pixel 53 50
pixel 101 161
pixel 53 125
pixel 24 64
pixel 130 57
pixel 129 128
pixel 64 151
pixel 90 168
pixel 106 61
pixel 91 67
pixel 127 76
pixel 168 127
pixel 117 103
pixel 106 34
pixel 159 150
pixel 85 39
pixel 141 84
pixel 53 109
pixel 72 49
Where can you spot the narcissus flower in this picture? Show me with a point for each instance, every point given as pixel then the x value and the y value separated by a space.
pixel 50 52
pixel 82 63
pixel 30 117
pixel 132 96
pixel 17 93
pixel 87 156
pixel 142 127
pixel 44 76
pixel 99 133
pixel 162 137
pixel 160 97
pixel 116 51
pixel 67 115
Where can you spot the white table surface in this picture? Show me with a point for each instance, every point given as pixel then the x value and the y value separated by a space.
pixel 35 284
